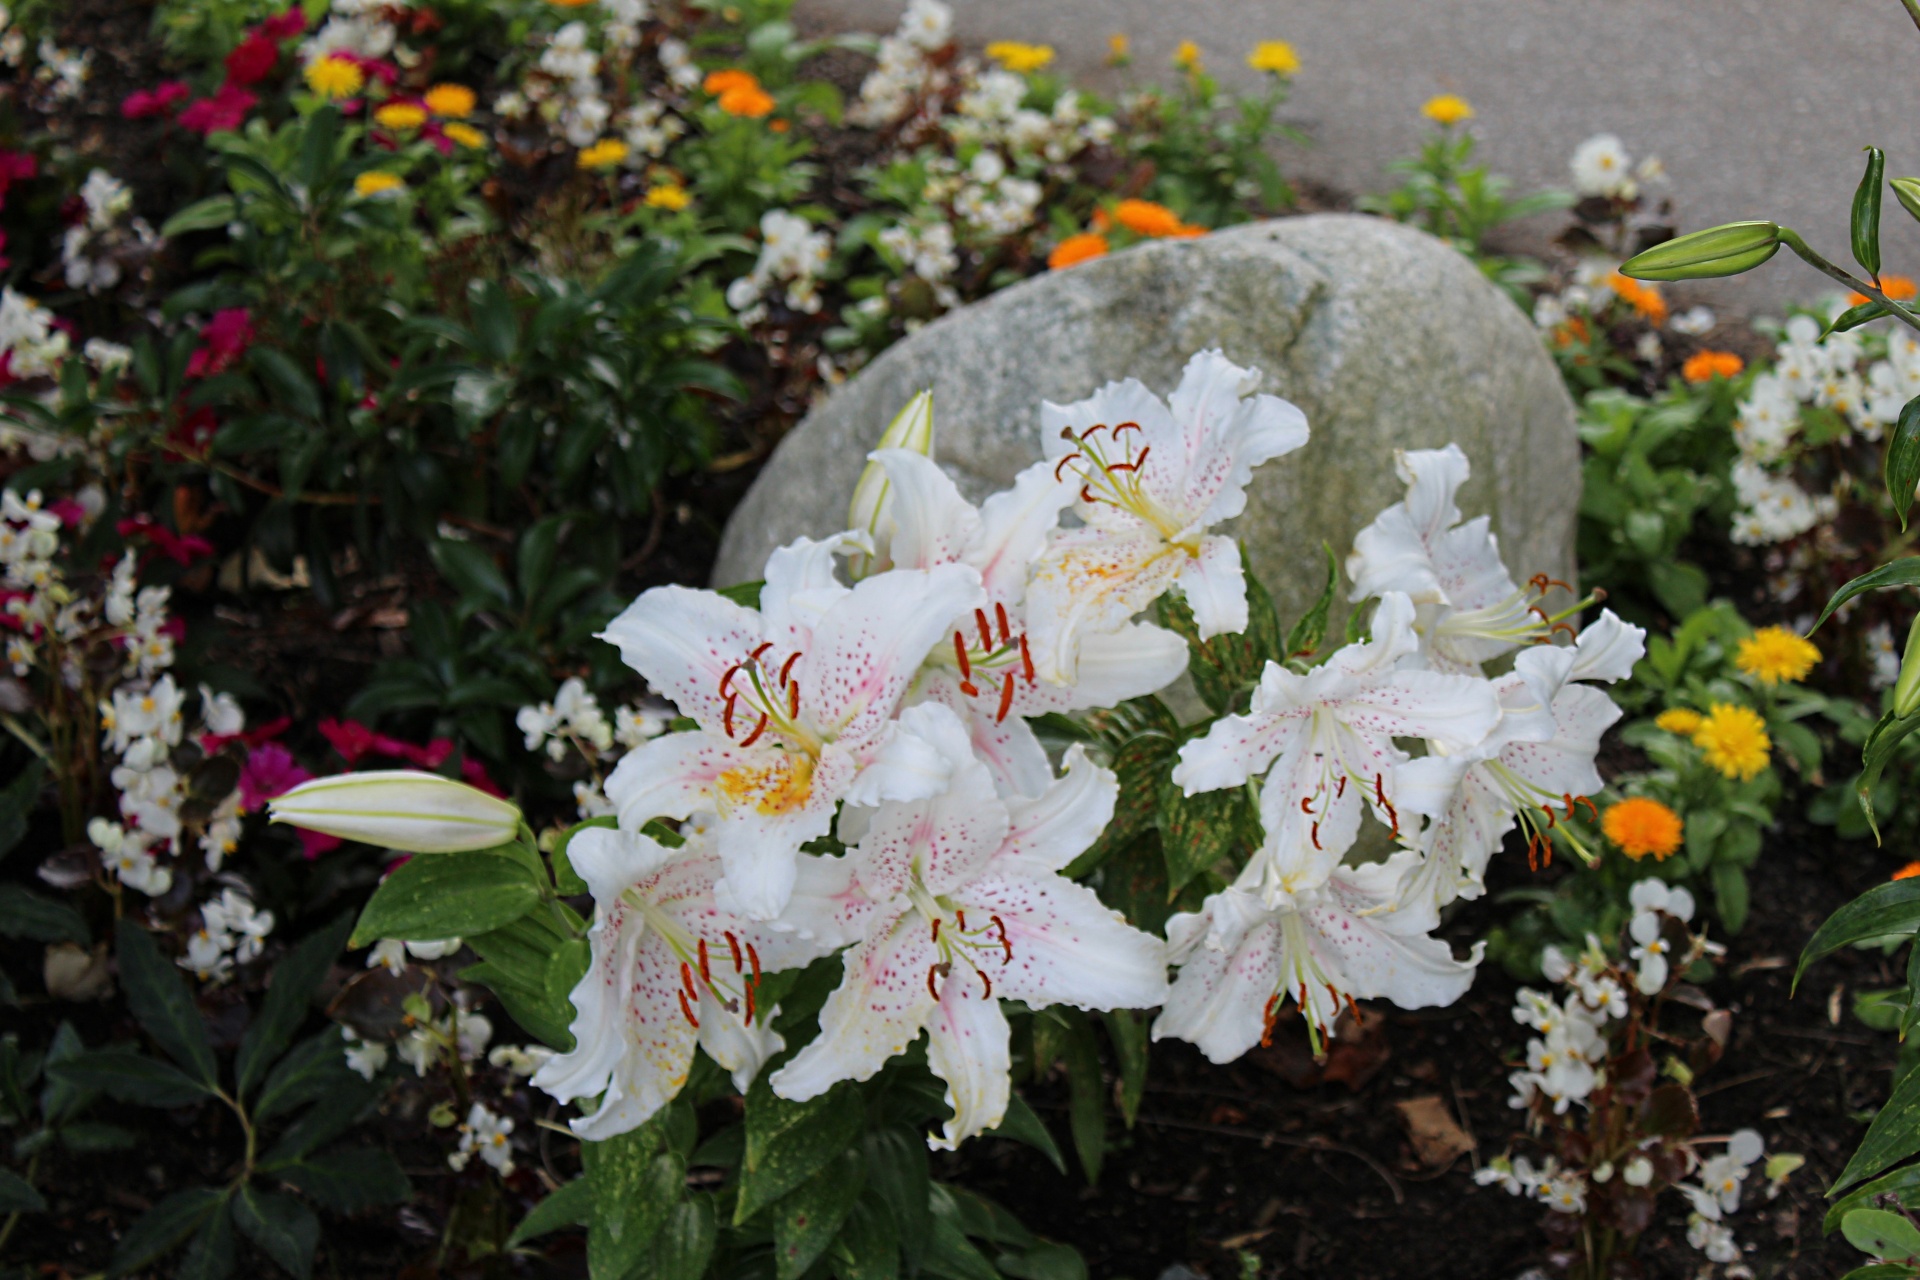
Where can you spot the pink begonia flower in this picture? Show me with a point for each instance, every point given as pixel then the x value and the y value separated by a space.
pixel 795 705
pixel 15 166
pixel 182 549
pixel 354 740
pixel 271 771
pixel 1153 476
pixel 959 903
pixel 157 101
pixel 224 111
pixel 670 969
pixel 223 340
pixel 284 26
pixel 475 774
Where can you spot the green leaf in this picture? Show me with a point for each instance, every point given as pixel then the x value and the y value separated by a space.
pixel 868 1247
pixel 18 1196
pixel 1139 766
pixel 1853 317
pixel 806 1219
pixel 91 1136
pixel 1307 633
pixel 1045 1261
pixel 634 1188
pixel 984 1219
pixel 745 594
pixel 288 385
pixel 1087 1098
pixel 285 1229
pixel 201 215
pixel 685 1244
pixel 1904 572
pixel 1196 832
pixel 333 1113
pixel 1886 910
pixel 349 1179
pixel 570 1206
pixel 1875 754
pixel 949 1253
pixel 17 801
pixel 292 985
pixel 165 1225
pixel 25 914
pixel 1127 1029
pixel 1903 1183
pixel 1882 1233
pixel 1022 1125
pixel 162 1002
pixel 898 1180
pixel 1730 895
pixel 1892 1137
pixel 1882 1271
pixel 448 895
pixel 473 574
pixel 1902 468
pixel 311 1070
pixel 1866 212
pixel 131 1076
pixel 211 1256
pixel 789 1142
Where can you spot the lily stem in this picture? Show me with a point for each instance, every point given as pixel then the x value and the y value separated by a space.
pixel 1793 241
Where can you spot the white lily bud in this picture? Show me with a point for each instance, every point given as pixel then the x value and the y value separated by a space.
pixel 400 809
pixel 911 428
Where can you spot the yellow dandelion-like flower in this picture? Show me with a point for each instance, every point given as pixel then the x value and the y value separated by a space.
pixel 1019 57
pixel 1447 109
pixel 1733 740
pixel 667 195
pixel 1773 654
pixel 1276 56
pixel 604 154
pixel 449 101
pixel 1640 826
pixel 334 77
pixel 1119 49
pixel 377 182
pixel 466 135
pixel 1680 720
pixel 400 115
pixel 1186 56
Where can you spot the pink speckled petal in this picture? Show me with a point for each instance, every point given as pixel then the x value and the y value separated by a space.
pixel 969 1047
pixel 683 641
pixel 875 1012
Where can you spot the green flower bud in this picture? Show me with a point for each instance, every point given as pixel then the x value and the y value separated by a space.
pixel 400 809
pixel 911 428
pixel 1907 192
pixel 1906 690
pixel 1717 251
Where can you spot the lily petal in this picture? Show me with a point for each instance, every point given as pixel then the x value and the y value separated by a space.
pixel 1068 947
pixel 1215 586
pixel 866 649
pixel 683 641
pixel 969 1045
pixel 875 1012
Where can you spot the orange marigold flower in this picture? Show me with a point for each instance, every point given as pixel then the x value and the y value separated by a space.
pixel 1076 249
pixel 1907 872
pixel 1705 366
pixel 1898 288
pixel 1145 218
pixel 1569 331
pixel 1645 299
pixel 450 101
pixel 1640 826
pixel 718 82
pixel 750 102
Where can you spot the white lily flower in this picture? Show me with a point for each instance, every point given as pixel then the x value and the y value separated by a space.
pixel 910 431
pixel 671 969
pixel 794 702
pixel 1154 476
pixel 1328 737
pixel 1245 953
pixel 987 675
pixel 399 809
pixel 961 903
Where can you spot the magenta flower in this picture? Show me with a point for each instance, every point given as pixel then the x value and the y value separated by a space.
pixel 223 339
pixel 225 110
pixel 157 101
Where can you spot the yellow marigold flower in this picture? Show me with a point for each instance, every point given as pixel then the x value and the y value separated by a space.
pixel 1679 720
pixel 670 196
pixel 1639 826
pixel 1119 49
pixel 1447 108
pixel 334 77
pixel 377 182
pixel 1145 218
pixel 1734 740
pixel 1705 366
pixel 400 115
pixel 604 154
pixel 1076 249
pixel 1018 57
pixel 450 101
pixel 1773 654
pixel 1276 56
pixel 1187 56
pixel 1907 872
pixel 465 134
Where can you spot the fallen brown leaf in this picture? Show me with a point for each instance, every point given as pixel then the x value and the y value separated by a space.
pixel 1437 1139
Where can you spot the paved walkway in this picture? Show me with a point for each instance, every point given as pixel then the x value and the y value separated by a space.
pixel 1758 107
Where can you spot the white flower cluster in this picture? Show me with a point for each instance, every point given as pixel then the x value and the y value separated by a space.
pixel 1602 167
pixel 232 931
pixel 62 73
pixel 357 27
pixel 1564 1060
pixel 1653 901
pixel 902 74
pixel 485 1133
pixel 574 722
pixel 97 248
pixel 13 41
pixel 993 200
pixel 1717 1194
pixel 32 345
pixel 1841 373
pixel 792 258
pixel 1562 1190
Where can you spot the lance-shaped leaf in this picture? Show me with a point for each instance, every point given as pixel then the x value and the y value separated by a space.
pixel 1884 911
pixel 163 1003
pixel 1903 459
pixel 1904 572
pixel 1866 213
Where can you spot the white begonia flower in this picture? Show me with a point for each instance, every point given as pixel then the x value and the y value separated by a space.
pixel 221 713
pixel 1651 952
pixel 234 914
pixel 1154 476
pixel 401 809
pixel 1638 1172
pixel 1601 167
pixel 1325 743
pixel 1564 1192
pixel 1714 1239
pixel 1540 756
pixel 1467 610
pixel 794 703
pixel 1246 951
pixel 389 952
pixel 153 713
pixel 519 1060
pixel 635 725
pixel 1694 321
pixel 1723 1176
pixel 928 24
pixel 1657 895
pixel 670 969
pixel 986 674
pixel 959 903
pixel 206 956
pixel 365 1058
pixel 484 1133
pixel 435 949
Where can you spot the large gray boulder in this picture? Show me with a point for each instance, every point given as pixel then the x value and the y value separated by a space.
pixel 1386 337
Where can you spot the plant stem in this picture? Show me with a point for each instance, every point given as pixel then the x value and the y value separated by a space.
pixel 1793 241
pixel 13 1218
pixel 1913 10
